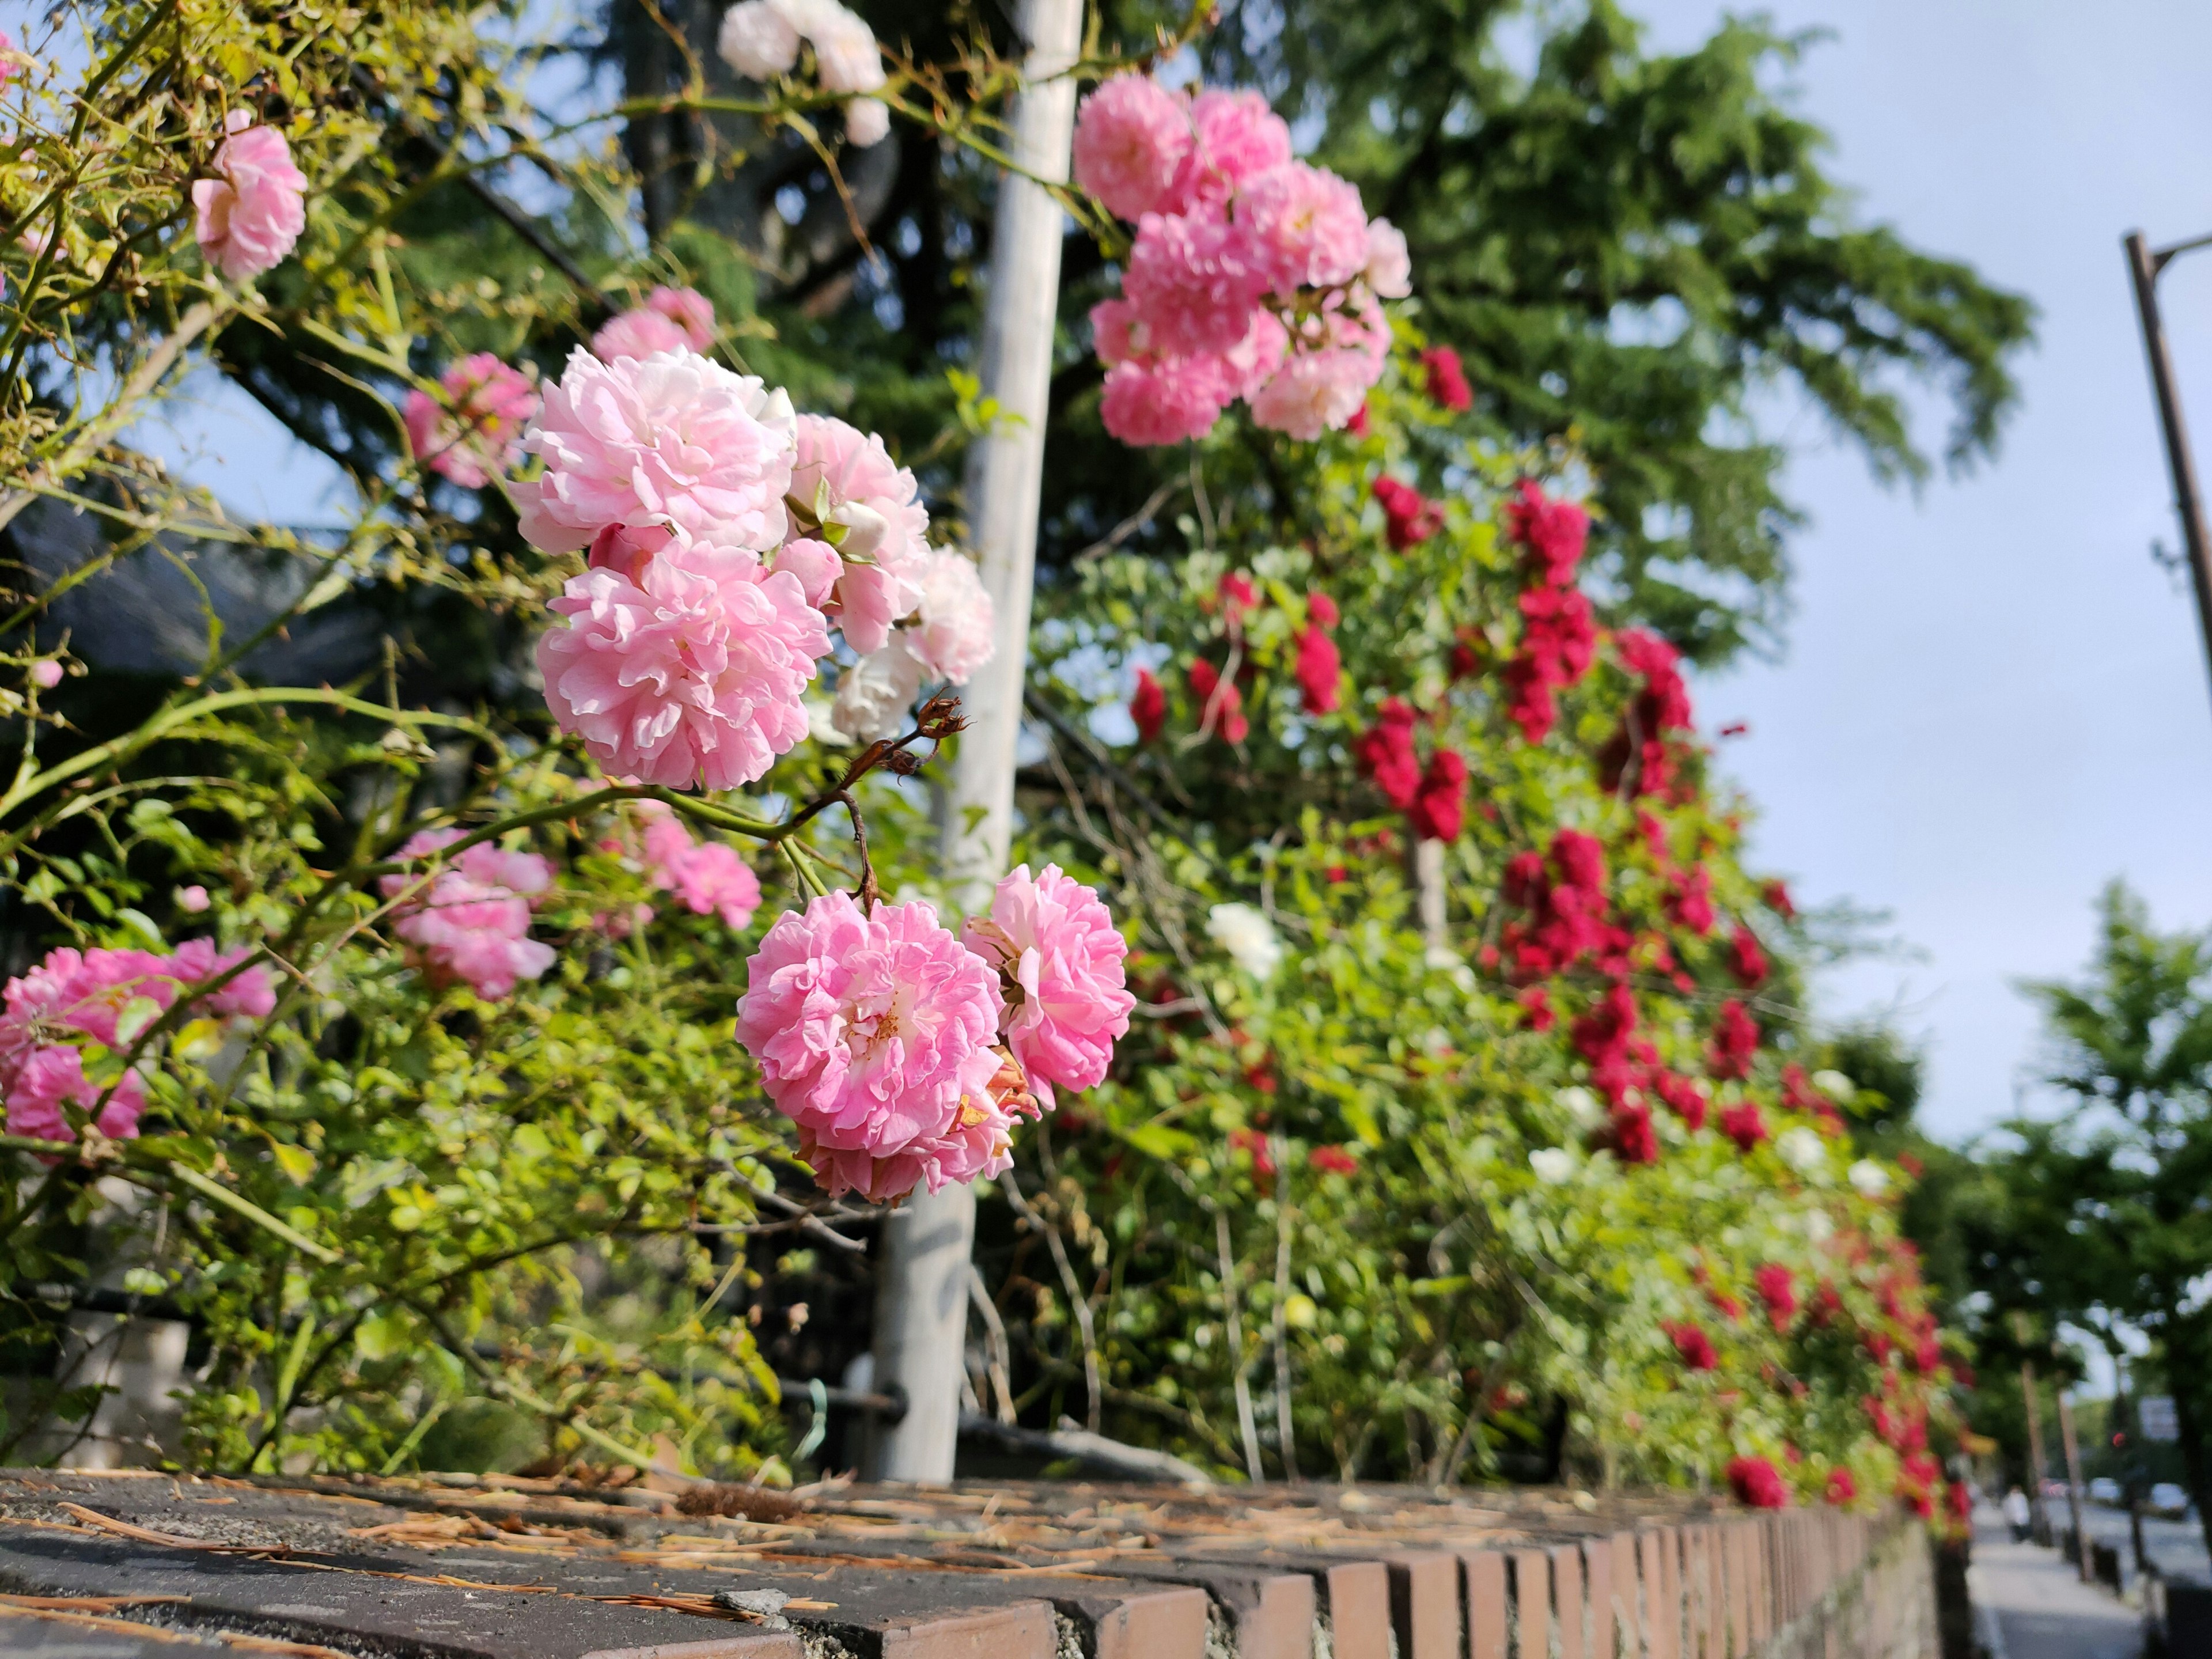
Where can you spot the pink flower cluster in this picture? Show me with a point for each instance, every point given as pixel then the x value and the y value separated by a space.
pixel 248 217
pixel 107 998
pixel 475 429
pixel 470 921
pixel 709 877
pixel 1252 276
pixel 1557 631
pixel 904 1055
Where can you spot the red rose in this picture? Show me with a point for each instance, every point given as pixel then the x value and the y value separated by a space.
pixel 1758 1484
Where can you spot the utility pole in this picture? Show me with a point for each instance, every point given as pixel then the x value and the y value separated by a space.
pixel 921 1292
pixel 2074 1486
pixel 2145 263
pixel 2035 1444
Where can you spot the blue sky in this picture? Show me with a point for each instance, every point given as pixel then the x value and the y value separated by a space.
pixel 1992 701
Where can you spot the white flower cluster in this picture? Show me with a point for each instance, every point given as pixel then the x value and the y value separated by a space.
pixel 761 39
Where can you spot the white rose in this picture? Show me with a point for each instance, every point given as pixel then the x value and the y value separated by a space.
pixel 867 123
pixel 1551 1164
pixel 1581 1105
pixel 1834 1085
pixel 1248 937
pixel 759 39
pixel 875 693
pixel 1819 1227
pixel 1868 1178
pixel 1802 1149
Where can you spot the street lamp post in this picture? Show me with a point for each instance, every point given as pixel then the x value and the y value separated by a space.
pixel 2146 263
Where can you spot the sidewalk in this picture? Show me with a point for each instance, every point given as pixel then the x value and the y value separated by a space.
pixel 2029 1604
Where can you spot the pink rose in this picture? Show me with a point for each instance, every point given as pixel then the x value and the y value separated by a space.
pixel 853 477
pixel 639 333
pixel 1236 137
pixel 1195 281
pixel 248 220
pixel 1308 221
pixel 873 1034
pixel 1164 402
pixel 475 430
pixel 689 310
pixel 688 676
pixel 672 440
pixel 709 877
pixel 1059 958
pixel 471 922
pixel 1131 136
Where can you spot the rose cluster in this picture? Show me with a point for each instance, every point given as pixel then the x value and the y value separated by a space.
pixel 107 998
pixel 904 1054
pixel 1557 631
pixel 761 40
pixel 725 535
pixel 1252 276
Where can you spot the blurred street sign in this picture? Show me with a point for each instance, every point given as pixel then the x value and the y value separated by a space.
pixel 2156 1411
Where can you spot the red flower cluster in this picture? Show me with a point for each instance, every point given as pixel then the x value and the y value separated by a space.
pixel 1568 914
pixel 1409 517
pixel 1842 1488
pixel 1437 811
pixel 1690 900
pixel 1606 1037
pixel 1758 1484
pixel 1778 1293
pixel 1694 1347
pixel 1320 670
pixel 1447 380
pixel 1736 1040
pixel 1743 1123
pixel 1662 706
pixel 1746 959
pixel 1148 706
pixel 1777 895
pixel 1333 1160
pixel 1558 631
pixel 1631 1135
pixel 1686 1099
pixel 1237 598
pixel 1221 704
pixel 1385 752
pixel 1252 1141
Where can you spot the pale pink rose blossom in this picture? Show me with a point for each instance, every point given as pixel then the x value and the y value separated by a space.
pixel 248 219
pixel 956 634
pixel 1164 402
pixel 867 122
pixel 708 876
pixel 669 439
pixel 55 1074
pixel 193 900
pixel 1131 135
pixel 875 498
pixel 874 1034
pixel 1237 137
pixel 248 994
pixel 47 674
pixel 846 55
pixel 85 991
pixel 1314 392
pixel 13 63
pixel 475 429
pixel 1246 365
pixel 642 332
pixel 1195 281
pixel 1309 223
pixel 689 310
pixel 688 675
pixel 1389 270
pixel 815 563
pixel 1059 958
pixel 759 38
pixel 1118 332
pixel 470 923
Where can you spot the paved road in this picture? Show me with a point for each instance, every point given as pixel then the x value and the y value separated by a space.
pixel 2032 1604
pixel 2175 1547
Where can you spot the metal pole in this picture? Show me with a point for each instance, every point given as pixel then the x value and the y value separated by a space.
pixel 922 1295
pixel 2145 266
pixel 2034 1446
pixel 2074 1487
